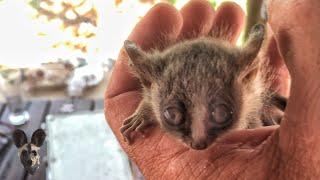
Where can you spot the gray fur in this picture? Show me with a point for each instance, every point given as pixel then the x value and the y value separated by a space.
pixel 196 76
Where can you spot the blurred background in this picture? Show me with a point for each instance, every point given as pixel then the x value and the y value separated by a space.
pixel 37 31
pixel 55 60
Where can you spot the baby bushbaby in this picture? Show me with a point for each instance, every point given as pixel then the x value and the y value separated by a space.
pixel 200 89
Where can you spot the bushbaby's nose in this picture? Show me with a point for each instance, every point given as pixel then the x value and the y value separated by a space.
pixel 199 145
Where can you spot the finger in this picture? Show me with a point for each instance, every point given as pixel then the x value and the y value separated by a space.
pixel 281 81
pixel 253 137
pixel 296 28
pixel 126 126
pixel 127 121
pixel 280 74
pixel 160 25
pixel 228 22
pixel 134 126
pixel 298 34
pixel 197 19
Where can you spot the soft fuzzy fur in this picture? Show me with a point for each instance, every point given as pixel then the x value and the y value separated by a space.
pixel 194 77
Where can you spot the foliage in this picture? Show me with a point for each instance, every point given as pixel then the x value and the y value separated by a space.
pixel 35 4
pixel 213 3
pixel 172 1
pixel 70 16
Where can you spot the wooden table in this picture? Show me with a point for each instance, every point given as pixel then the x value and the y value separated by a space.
pixel 96 92
pixel 10 166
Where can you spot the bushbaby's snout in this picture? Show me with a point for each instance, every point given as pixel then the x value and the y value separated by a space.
pixel 199 145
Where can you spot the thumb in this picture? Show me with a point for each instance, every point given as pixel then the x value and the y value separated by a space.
pixel 296 28
pixel 280 75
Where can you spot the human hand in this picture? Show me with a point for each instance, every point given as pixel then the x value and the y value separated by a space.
pixel 260 153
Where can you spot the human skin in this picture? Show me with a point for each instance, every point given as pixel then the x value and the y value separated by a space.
pixel 291 151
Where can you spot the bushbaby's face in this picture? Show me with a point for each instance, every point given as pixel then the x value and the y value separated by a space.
pixel 202 88
pixel 196 101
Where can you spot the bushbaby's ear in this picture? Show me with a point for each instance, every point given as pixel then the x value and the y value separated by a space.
pixel 19 138
pixel 248 61
pixel 38 137
pixel 143 66
pixel 252 47
pixel 134 52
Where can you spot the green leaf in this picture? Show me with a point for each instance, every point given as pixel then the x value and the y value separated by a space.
pixel 213 3
pixel 172 1
pixel 35 3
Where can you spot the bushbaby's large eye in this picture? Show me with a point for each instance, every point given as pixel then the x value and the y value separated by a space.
pixel 221 114
pixel 173 116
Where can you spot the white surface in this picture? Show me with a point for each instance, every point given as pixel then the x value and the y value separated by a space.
pixel 83 147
